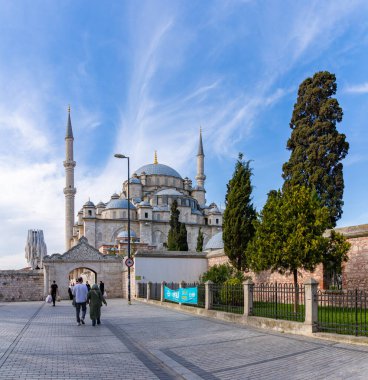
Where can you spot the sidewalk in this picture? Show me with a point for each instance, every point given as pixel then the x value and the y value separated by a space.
pixel 141 341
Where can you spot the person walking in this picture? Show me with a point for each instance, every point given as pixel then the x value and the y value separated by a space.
pixel 70 292
pixel 88 286
pixel 53 292
pixel 95 299
pixel 80 293
pixel 102 288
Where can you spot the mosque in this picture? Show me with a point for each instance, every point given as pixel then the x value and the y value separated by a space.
pixel 152 188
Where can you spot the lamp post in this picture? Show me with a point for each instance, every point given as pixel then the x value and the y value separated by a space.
pixel 123 156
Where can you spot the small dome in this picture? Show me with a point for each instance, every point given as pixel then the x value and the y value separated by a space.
pixel 168 192
pixel 144 203
pixel 158 169
pixel 115 196
pixel 89 204
pixel 119 203
pixel 215 242
pixel 101 205
pixel 124 234
pixel 135 180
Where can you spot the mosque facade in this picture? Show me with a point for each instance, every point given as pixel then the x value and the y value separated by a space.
pixel 152 188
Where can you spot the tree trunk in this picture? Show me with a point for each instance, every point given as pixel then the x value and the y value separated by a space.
pixel 296 291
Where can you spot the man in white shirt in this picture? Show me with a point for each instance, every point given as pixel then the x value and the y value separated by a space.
pixel 80 292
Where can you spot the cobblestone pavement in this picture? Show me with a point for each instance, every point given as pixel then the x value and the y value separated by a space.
pixel 38 341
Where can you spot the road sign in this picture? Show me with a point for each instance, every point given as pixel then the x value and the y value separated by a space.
pixel 129 262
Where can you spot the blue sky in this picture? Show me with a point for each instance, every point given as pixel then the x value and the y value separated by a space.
pixel 144 76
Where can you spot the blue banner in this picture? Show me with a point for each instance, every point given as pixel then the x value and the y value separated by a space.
pixel 182 295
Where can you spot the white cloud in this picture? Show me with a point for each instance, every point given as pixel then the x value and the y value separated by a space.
pixel 357 89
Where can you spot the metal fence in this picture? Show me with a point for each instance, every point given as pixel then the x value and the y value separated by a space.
pixel 279 301
pixel 343 312
pixel 155 293
pixel 229 298
pixel 142 290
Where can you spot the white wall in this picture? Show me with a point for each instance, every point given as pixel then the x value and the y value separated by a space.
pixel 157 269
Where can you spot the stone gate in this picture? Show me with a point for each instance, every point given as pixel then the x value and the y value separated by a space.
pixel 107 268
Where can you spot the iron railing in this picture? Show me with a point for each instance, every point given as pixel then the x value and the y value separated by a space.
pixel 279 301
pixel 229 298
pixel 142 290
pixel 155 291
pixel 343 312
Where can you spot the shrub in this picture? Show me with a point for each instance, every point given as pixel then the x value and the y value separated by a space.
pixel 231 292
pixel 219 274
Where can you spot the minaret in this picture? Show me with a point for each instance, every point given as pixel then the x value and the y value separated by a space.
pixel 69 189
pixel 200 177
pixel 199 192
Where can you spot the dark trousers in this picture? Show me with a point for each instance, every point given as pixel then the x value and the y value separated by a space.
pixel 78 306
pixel 53 295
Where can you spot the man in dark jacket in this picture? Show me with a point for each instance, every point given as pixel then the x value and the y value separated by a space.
pixel 53 292
pixel 102 287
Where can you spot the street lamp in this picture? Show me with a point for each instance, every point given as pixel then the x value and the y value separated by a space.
pixel 123 156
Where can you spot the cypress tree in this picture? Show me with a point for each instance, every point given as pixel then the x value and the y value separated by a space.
pixel 316 146
pixel 239 215
pixel 177 237
pixel 200 239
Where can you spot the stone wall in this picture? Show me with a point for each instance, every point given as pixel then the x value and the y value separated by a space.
pixel 18 285
pixel 218 257
pixel 354 271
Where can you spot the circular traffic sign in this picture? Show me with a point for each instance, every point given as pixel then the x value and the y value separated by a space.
pixel 129 262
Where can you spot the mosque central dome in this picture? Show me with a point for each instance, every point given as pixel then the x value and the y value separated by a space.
pixel 158 169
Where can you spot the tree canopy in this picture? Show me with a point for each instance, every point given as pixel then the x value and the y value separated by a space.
pixel 289 232
pixel 239 215
pixel 177 237
pixel 316 146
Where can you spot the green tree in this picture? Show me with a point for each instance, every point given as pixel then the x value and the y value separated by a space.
pixel 316 146
pixel 289 232
pixel 239 215
pixel 335 255
pixel 200 238
pixel 177 237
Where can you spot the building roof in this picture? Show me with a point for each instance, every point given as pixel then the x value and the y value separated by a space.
pixel 158 169
pixel 89 204
pixel 119 203
pixel 215 242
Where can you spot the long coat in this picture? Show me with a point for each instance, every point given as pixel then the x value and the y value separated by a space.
pixel 95 299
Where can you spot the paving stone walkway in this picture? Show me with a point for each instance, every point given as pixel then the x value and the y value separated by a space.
pixel 140 341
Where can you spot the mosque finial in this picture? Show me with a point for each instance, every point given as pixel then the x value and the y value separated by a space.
pixel 69 109
pixel 155 159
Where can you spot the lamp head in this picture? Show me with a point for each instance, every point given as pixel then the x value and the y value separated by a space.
pixel 118 155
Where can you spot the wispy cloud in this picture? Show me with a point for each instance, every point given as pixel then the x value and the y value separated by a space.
pixel 357 89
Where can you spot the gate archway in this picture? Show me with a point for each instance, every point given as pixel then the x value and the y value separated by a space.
pixel 87 261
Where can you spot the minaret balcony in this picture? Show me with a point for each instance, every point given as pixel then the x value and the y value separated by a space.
pixel 69 164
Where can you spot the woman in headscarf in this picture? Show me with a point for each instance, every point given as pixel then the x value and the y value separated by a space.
pixel 95 299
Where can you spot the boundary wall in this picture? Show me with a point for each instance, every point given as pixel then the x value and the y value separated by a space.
pixel 21 285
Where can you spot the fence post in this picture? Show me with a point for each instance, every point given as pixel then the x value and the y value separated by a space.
pixel 208 295
pixel 149 285
pixel 163 283
pixel 248 297
pixel 311 304
pixel 181 285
